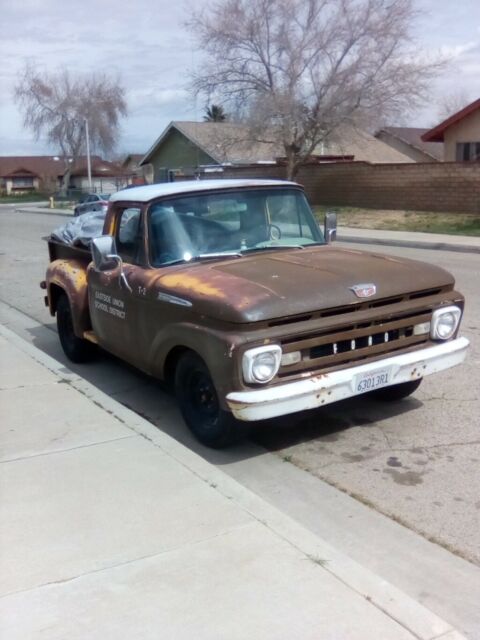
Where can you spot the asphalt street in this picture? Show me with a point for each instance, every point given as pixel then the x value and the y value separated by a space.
pixel 415 461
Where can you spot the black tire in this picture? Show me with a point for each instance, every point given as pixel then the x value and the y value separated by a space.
pixel 76 349
pixel 397 391
pixel 198 402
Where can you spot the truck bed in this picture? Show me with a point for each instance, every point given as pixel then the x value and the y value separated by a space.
pixel 61 251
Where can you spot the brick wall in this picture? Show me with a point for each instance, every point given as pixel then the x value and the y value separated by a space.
pixel 436 186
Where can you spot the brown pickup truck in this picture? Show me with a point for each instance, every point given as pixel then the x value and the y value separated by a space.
pixel 229 289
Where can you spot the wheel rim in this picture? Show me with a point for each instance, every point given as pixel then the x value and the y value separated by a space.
pixel 203 398
pixel 68 334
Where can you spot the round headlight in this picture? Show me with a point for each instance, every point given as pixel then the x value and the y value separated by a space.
pixel 446 326
pixel 445 322
pixel 264 366
pixel 261 363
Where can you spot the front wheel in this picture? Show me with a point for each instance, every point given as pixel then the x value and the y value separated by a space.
pixel 397 391
pixel 76 349
pixel 198 401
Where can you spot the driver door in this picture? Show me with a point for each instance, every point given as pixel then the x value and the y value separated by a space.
pixel 113 304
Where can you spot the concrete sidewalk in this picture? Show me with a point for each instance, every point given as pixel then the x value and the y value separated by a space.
pixel 414 239
pixel 111 529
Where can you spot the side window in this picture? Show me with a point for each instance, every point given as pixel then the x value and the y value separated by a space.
pixel 129 236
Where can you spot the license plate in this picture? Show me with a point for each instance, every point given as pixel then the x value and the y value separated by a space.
pixel 373 380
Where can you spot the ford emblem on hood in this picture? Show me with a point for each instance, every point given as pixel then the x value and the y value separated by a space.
pixel 364 290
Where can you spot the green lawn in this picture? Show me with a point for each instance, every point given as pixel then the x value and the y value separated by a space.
pixel 467 224
pixel 24 197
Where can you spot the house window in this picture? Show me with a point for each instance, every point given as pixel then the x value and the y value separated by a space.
pixel 468 151
pixel 22 183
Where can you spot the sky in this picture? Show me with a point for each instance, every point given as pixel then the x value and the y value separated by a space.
pixel 146 46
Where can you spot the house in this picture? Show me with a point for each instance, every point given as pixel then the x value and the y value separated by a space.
pixel 23 174
pixel 408 140
pixel 106 176
pixel 141 174
pixel 460 134
pixel 184 147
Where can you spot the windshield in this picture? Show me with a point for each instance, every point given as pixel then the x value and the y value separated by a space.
pixel 229 223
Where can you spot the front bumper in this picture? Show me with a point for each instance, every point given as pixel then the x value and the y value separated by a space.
pixel 322 389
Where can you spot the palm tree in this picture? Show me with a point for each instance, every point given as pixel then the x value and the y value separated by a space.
pixel 215 113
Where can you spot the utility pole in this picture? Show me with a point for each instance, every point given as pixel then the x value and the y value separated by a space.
pixel 89 164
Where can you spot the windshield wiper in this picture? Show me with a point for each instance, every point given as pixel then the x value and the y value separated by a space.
pixel 275 247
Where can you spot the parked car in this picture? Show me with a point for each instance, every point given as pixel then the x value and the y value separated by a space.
pixel 230 290
pixel 92 202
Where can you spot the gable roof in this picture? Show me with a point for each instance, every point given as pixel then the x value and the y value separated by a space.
pixel 412 136
pixel 41 166
pixel 134 158
pixel 349 140
pixel 223 141
pixel 227 142
pixel 20 172
pixel 437 133
pixel 99 168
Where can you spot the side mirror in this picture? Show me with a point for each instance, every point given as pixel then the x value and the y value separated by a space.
pixel 104 253
pixel 330 226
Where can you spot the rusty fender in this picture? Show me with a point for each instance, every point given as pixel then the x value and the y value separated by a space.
pixel 219 351
pixel 71 276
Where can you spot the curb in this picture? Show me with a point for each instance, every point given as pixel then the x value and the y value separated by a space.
pixel 407 612
pixel 47 211
pixel 413 244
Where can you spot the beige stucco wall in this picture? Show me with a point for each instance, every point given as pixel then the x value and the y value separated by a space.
pixel 467 130
pixel 100 184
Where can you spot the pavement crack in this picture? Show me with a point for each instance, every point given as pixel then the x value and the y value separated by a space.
pixel 125 563
pixel 51 453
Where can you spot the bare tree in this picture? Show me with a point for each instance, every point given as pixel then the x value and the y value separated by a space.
pixel 58 105
pixel 451 103
pixel 300 69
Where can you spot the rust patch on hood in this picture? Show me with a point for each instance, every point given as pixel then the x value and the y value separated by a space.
pixel 187 282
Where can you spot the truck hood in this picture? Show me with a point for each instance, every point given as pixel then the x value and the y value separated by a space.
pixel 268 285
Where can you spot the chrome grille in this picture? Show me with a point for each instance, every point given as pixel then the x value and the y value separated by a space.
pixel 340 346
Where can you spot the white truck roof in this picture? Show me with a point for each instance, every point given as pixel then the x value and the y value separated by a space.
pixel 149 192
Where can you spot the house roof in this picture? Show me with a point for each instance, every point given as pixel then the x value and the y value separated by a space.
pixel 21 172
pixel 99 168
pixel 349 140
pixel 35 165
pixel 437 133
pixel 133 157
pixel 222 141
pixel 230 143
pixel 412 136
pixel 41 166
